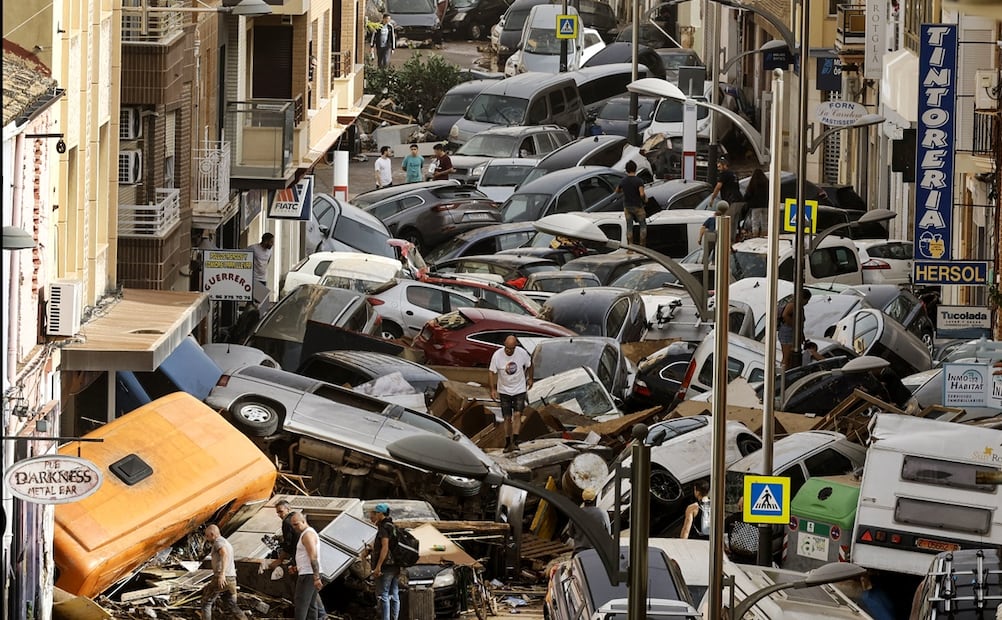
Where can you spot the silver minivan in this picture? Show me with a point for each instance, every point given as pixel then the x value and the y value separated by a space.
pixel 526 99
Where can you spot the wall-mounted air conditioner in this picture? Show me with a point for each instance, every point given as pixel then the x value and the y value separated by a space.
pixel 130 126
pixel 62 316
pixel 986 89
pixel 130 167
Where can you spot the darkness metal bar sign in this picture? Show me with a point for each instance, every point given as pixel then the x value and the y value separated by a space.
pixel 934 149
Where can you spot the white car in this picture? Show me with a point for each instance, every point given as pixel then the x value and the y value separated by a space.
pixel 886 261
pixel 360 272
pixel 499 177
pixel 307 271
pixel 667 119
pixel 406 305
pixel 592 45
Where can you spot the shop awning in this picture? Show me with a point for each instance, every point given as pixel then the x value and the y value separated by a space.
pixel 137 332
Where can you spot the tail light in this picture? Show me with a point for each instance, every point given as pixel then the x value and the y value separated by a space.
pixel 518 283
pixel 223 381
pixel 873 263
pixel 687 379
pixel 448 206
pixel 640 388
pixel 374 301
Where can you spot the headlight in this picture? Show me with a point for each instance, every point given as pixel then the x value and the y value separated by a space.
pixel 503 49
pixel 479 170
pixel 454 134
pixel 458 17
pixel 445 579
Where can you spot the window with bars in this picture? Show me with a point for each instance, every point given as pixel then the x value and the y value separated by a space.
pixel 832 154
pixel 916 13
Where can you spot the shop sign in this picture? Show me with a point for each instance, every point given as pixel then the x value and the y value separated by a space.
pixel 53 479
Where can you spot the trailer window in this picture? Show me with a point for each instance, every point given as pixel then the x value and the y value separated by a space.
pixel 945 473
pixel 943 516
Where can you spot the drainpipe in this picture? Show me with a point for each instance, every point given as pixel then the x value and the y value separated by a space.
pixel 13 302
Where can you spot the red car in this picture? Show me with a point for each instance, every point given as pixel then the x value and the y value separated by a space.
pixel 470 336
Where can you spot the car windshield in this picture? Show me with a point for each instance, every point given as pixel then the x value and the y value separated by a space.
pixel 287 320
pixel 674 61
pixel 409 7
pixel 360 285
pixel 524 207
pixel 504 175
pixel 619 109
pixel 363 238
pixel 748 265
pixel 561 283
pixel 542 41
pixel 462 4
pixel 446 250
pixel 670 111
pixel 644 279
pixel 488 145
pixel 515 20
pixel 456 103
pixel 588 399
pixel 497 109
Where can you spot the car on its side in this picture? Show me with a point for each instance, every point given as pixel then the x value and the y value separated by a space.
pixel 886 261
pixel 499 177
pixel 609 151
pixel 282 329
pixel 660 374
pixel 406 305
pixel 584 188
pixel 490 295
pixel 871 332
pixel 453 105
pixel 517 141
pixel 336 225
pixel 545 284
pixel 428 216
pixel 603 355
pixel 599 311
pixel 902 306
pixel 357 367
pixel 513 270
pixel 469 337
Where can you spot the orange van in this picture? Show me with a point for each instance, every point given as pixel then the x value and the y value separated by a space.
pixel 169 467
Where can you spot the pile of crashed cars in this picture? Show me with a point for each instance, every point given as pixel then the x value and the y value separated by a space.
pixel 363 350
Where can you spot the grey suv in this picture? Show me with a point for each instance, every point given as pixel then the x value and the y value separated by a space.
pixel 517 141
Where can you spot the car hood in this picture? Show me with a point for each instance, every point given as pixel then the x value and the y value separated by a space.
pixel 416 20
pixel 468 161
pixel 545 63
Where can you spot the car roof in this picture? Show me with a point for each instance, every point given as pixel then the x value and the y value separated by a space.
pixel 518 130
pixel 479 315
pixel 583 262
pixel 568 155
pixel 470 86
pixel 667 189
pixel 374 361
pixel 559 274
pixel 526 162
pixel 593 72
pixel 599 297
pixel 877 295
pixel 558 179
pixel 523 83
pixel 787 450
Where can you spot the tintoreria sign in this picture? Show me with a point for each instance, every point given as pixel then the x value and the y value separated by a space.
pixel 53 479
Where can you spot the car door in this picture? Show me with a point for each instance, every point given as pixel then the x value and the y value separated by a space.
pixel 512 240
pixel 567 201
pixel 422 304
pixel 324 213
pixel 599 194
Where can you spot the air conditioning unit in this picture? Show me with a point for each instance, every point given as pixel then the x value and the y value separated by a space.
pixel 130 126
pixel 62 316
pixel 986 89
pixel 130 167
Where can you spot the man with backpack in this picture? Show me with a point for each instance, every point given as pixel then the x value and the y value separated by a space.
pixel 384 569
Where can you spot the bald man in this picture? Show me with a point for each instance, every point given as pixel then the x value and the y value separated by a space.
pixel 308 582
pixel 511 378
pixel 224 576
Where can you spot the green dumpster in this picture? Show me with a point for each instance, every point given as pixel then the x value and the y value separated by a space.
pixel 822 514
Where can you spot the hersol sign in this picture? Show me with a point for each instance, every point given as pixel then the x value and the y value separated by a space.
pixel 53 479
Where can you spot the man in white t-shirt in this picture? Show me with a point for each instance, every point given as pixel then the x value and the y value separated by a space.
pixel 511 378
pixel 384 167
pixel 308 582
pixel 262 257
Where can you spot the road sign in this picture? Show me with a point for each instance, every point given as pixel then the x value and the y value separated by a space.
pixel 810 215
pixel 567 26
pixel 767 499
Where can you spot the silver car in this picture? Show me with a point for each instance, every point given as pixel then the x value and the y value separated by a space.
pixel 344 429
pixel 406 305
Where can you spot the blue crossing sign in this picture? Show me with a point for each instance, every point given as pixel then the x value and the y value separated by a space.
pixel 767 499
pixel 790 211
pixel 567 26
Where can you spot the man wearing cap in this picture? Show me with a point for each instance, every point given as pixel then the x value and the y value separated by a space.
pixel 386 574
pixel 593 513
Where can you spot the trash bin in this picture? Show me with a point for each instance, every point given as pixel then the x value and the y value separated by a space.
pixel 420 603
pixel 822 515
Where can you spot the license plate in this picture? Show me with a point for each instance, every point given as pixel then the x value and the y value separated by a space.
pixel 812 546
pixel 478 217
pixel 936 545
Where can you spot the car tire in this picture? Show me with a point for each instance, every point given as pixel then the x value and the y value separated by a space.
pixel 255 418
pixel 391 330
pixel 475 32
pixel 930 342
pixel 664 487
pixel 461 487
pixel 413 236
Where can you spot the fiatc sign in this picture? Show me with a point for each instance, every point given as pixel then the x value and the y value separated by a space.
pixel 53 479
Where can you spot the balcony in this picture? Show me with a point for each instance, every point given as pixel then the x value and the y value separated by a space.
pixel 160 28
pixel 261 132
pixel 850 29
pixel 211 204
pixel 151 221
pixel 348 86
pixel 985 136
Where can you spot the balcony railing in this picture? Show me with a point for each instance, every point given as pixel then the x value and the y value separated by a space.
pixel 155 220
pixel 850 30
pixel 157 28
pixel 986 128
pixel 212 178
pixel 341 65
pixel 261 133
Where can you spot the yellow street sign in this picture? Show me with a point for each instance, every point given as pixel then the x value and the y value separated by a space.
pixel 767 499
pixel 810 214
pixel 567 26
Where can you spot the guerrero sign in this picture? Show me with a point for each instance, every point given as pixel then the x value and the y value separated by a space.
pixel 53 479
pixel 228 275
pixel 934 142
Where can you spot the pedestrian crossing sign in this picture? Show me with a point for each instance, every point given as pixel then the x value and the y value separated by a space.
pixel 567 26
pixel 767 499
pixel 790 211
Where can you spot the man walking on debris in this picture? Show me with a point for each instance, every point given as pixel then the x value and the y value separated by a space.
pixel 308 583
pixel 224 576
pixel 511 378
pixel 384 571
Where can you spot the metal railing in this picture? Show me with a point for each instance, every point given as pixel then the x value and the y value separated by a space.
pixel 341 65
pixel 212 176
pixel 153 28
pixel 155 220
pixel 850 28
pixel 985 136
pixel 261 134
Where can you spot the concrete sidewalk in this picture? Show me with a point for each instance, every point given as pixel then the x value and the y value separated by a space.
pixel 361 174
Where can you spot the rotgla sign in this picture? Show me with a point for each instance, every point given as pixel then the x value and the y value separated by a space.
pixel 53 479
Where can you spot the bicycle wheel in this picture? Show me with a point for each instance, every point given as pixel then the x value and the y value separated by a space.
pixel 483 601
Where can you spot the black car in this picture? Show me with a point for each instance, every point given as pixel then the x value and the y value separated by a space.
pixel 817 393
pixel 416 19
pixel 650 35
pixel 604 151
pixel 583 188
pixel 598 311
pixel 900 305
pixel 357 367
pixel 675 57
pixel 600 16
pixel 609 266
pixel 486 240
pixel 453 105
pixel 678 193
pixel 660 374
pixel 623 52
pixel 613 118
pixel 513 270
pixel 473 19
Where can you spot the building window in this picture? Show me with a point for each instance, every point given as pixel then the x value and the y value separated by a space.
pixel 917 12
pixel 833 6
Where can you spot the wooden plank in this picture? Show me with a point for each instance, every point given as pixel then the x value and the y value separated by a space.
pixel 138 595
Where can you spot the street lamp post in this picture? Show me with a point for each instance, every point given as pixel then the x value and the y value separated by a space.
pixel 822 575
pixel 870 217
pixel 768 46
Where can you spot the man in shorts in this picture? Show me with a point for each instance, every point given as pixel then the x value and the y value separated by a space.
pixel 511 378
pixel 632 188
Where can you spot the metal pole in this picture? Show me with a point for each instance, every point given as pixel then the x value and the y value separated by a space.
pixel 640 516
pixel 713 19
pixel 718 453
pixel 799 264
pixel 563 42
pixel 633 134
pixel 772 293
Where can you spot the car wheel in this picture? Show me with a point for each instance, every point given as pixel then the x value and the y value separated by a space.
pixel 664 487
pixel 930 342
pixel 414 237
pixel 476 32
pixel 747 445
pixel 391 330
pixel 461 487
pixel 254 418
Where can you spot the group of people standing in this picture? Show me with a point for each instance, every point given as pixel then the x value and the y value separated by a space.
pixel 412 165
